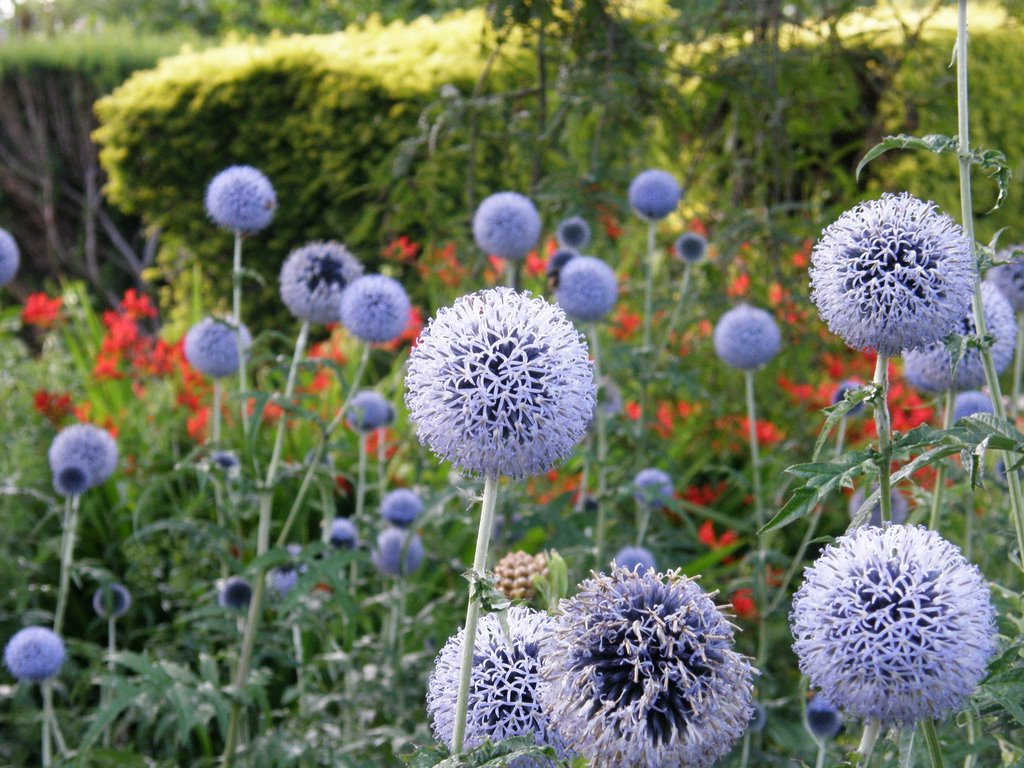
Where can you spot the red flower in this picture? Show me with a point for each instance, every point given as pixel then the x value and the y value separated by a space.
pixel 197 424
pixel 51 405
pixel 633 410
pixel 402 249
pixel 739 286
pixel 40 310
pixel 106 367
pixel 743 603
pixel 137 306
pixel 624 323
pixel 535 264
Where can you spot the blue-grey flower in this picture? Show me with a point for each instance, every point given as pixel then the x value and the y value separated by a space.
pixel 898 507
pixel 399 552
pixel 747 337
pixel 71 479
pixel 824 721
pixel 641 671
pixel 573 233
pixel 500 383
pixel 241 198
pixel 82 449
pixel 10 257
pixel 401 507
pixel 369 410
pixel 652 486
pixel 969 403
pixel 633 558
pixel 375 308
pixel 893 623
pixel 234 593
pixel 313 278
pixel 892 274
pixel 503 683
pixel 225 460
pixel 343 534
pixel 839 394
pixel 691 247
pixel 34 654
pixel 558 259
pixel 111 601
pixel 587 289
pixel 211 347
pixel 506 224
pixel 1009 277
pixel 654 194
pixel 929 368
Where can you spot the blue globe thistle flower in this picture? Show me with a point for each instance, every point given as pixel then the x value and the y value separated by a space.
pixel 369 410
pixel 1009 277
pixel 893 623
pixel 225 460
pixel 892 274
pixel 654 194
pixel 388 555
pixel 746 337
pixel 284 578
pixel 587 289
pixel 10 257
pixel 652 487
pixel 573 233
pixel 969 403
pixel 500 383
pixel 633 558
pixel 34 654
pixel 691 247
pixel 111 601
pixel 241 198
pixel 503 698
pixel 928 368
pixel 343 534
pixel 234 593
pixel 506 224
pixel 313 278
pixel 641 670
pixel 898 507
pixel 401 507
pixel 558 259
pixel 375 308
pixel 211 347
pixel 823 720
pixel 839 394
pixel 82 453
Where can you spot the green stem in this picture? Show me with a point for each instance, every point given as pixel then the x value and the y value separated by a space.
pixel 602 452
pixel 67 554
pixel 931 739
pixel 1018 369
pixel 483 538
pixel 884 428
pixel 242 673
pixel 361 480
pixel 236 313
pixel 940 471
pixel 840 437
pixel 511 274
pixel 394 641
pixel 649 285
pixel 822 751
pixel 382 458
pixel 867 742
pixel 47 745
pixel 755 453
pixel 972 759
pixel 677 307
pixel 761 566
pixel 111 650
pixel 643 517
pixel 215 416
pixel 300 664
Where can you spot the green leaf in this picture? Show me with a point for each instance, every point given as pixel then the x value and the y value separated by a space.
pixel 932 143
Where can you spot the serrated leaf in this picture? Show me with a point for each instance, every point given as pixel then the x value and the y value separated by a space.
pixel 932 143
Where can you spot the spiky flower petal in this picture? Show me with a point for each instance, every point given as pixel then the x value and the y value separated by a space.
pixel 313 278
pixel 241 198
pixel 401 507
pixel 507 225
pixel 343 534
pixel 211 347
pixel 375 308
pixel 747 337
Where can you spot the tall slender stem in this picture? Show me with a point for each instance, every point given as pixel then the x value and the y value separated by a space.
pixel 382 458
pixel 840 437
pixel 884 428
pixel 111 650
pixel 300 664
pixel 931 740
pixel 236 312
pixel 760 575
pixel 47 745
pixel 601 417
pixel 1018 370
pixel 361 480
pixel 822 752
pixel 677 306
pixel 215 416
pixel 483 538
pixel 872 726
pixel 643 517
pixel 940 472
pixel 67 555
pixel 649 284
pixel 972 759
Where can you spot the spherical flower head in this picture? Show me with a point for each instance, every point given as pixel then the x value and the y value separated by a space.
pixel 691 247
pixel 654 194
pixel 587 289
pixel 391 544
pixel 10 257
pixel 1009 277
pixel 558 259
pixel 234 593
pixel 283 579
pixel 241 198
pixel 652 487
pixel 111 601
pixel 929 368
pixel 641 670
pixel 573 233
pixel 211 347
pixel 823 719
pixel 635 558
pixel 506 224
pixel 969 403
pixel 839 394
pixel 500 383
pixel 898 507
pixel 225 460
pixel 369 410
pixel 71 479
pixel 503 684
pixel 375 309
pixel 82 449
pixel 401 507
pixel 893 623
pixel 747 338
pixel 313 278
pixel 34 654
pixel 892 274
pixel 343 534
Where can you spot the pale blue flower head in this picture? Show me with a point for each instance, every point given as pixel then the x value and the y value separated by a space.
pixel 558 260
pixel 313 278
pixel 500 383
pixel 234 593
pixel 1009 277
pixel 823 719
pixel 369 410
pixel 284 578
pixel 652 487
pixel 969 403
pixel 343 534
pixel 633 558
pixel 893 623
pixel 401 507
pixel 654 194
pixel 898 507
pixel 211 347
pixel 506 224
pixel 691 247
pixel 641 670
pixel 10 257
pixel 398 553
pixel 82 456
pixel 111 601
pixel 241 198
pixel 892 274
pixel 503 683
pixel 375 308
pixel 747 338
pixel 34 654
pixel 573 233
pixel 587 289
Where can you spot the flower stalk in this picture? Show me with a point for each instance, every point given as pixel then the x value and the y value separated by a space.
pixel 884 428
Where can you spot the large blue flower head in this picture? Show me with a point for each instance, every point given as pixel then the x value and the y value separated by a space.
pixel 652 486
pixel 82 456
pixel 969 403
pixel 241 198
pixel 691 247
pixel 313 278
pixel 506 224
pixel 654 194
pixel 10 257
pixel 401 507
pixel 928 368
pixel 398 553
pixel 111 601
pixel 234 593
pixel 587 289
pixel 500 383
pixel 343 534
pixel 1009 277
pixel 34 654
pixel 892 274
pixel 369 410
pixel 503 699
pixel 824 721
pixel 635 558
pixel 641 670
pixel 747 337
pixel 893 623
pixel 573 233
pixel 211 347
pixel 375 308
pixel 898 507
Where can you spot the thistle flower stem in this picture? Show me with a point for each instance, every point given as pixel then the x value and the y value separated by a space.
pixel 940 471
pixel 602 452
pixel 483 537
pixel 760 576
pixel 649 285
pixel 300 664
pixel 382 460
pixel 47 745
pixel 236 313
pixel 67 554
pixel 111 650
pixel 822 752
pixel 755 454
pixel 872 726
pixel 931 740
pixel 242 674
pixel 1018 370
pixel 394 639
pixel 361 480
pixel 643 517
pixel 884 428
pixel 677 307
pixel 215 430
pixel 798 560
pixel 972 759
pixel 510 274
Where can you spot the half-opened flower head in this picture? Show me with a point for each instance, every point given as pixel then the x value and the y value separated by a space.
pixel 313 278
pixel 500 383
pixel 893 623
pixel 823 719
pixel 10 257
pixel 654 194
pixel 641 670
pixel 369 410
pixel 401 507
pixel 375 308
pixel 399 552
pixel 241 198
pixel 969 403
pixel 86 451
pixel 1009 277
pixel 587 289
pixel 747 337
pixel 691 247
pixel 343 534
pixel 634 558
pixel 111 601
pixel 34 654
pixel 573 233
pixel 506 224
pixel 892 274
pixel 234 593
pixel 652 487
pixel 211 347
